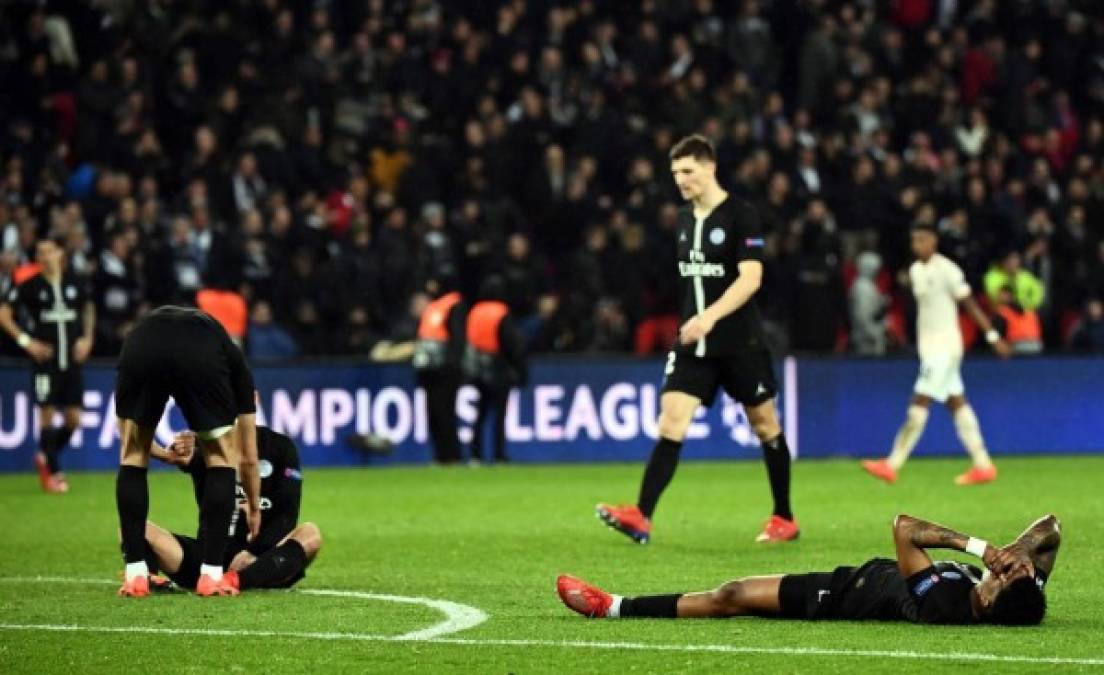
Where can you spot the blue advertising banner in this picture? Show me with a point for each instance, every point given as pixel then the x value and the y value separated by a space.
pixel 579 410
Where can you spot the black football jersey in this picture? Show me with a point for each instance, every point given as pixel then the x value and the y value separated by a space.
pixel 281 487
pixel 710 250
pixel 52 313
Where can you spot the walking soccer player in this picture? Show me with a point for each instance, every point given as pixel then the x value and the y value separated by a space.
pixel 939 287
pixel 721 343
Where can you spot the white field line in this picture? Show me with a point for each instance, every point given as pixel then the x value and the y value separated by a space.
pixel 427 636
pixel 457 617
pixel 578 644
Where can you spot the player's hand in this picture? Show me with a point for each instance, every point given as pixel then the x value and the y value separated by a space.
pixel 1002 348
pixel 182 448
pixel 253 519
pixel 242 560
pixel 81 349
pixel 40 351
pixel 695 329
pixel 1001 561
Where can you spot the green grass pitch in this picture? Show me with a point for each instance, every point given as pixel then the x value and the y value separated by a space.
pixel 495 538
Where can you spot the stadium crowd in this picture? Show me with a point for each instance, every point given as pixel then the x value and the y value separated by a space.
pixel 337 162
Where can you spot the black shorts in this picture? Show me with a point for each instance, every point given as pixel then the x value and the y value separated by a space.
pixel 186 361
pixel 748 377
pixel 58 388
pixel 807 596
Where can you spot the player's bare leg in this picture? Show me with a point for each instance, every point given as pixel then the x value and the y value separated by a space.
pixel 763 418
pixel 750 596
pixel 217 511
pixel 676 412
pixel 969 433
pixel 916 418
pixel 132 500
pixel 281 565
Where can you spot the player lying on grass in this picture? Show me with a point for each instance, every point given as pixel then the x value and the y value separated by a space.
pixel 278 556
pixel 912 588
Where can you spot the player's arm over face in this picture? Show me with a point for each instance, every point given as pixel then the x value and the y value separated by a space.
pixel 913 537
pixel 1040 542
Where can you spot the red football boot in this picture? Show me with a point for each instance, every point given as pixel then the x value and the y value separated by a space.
pixel 977 476
pixel 627 520
pixel 778 529
pixel 578 595
pixel 879 468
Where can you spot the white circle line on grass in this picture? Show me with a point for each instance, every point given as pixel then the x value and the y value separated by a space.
pixel 577 644
pixel 458 617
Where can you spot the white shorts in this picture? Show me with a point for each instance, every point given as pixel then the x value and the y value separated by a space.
pixel 940 378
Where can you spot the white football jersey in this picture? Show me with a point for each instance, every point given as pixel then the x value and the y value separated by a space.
pixel 938 285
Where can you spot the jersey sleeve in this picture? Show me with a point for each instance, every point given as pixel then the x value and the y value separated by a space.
pixel 241 379
pixel 956 281
pixel 747 228
pixel 942 597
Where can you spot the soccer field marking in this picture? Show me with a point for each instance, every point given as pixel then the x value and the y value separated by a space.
pixel 462 617
pixel 576 644
pixel 458 617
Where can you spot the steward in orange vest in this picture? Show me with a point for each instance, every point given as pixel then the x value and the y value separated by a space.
pixel 437 355
pixel 1021 327
pixel 494 362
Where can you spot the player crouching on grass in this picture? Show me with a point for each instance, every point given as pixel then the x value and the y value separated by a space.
pixel 277 557
pixel 912 589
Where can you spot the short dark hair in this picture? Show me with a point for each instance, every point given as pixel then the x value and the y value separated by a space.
pixel 696 146
pixel 1021 603
pixel 925 226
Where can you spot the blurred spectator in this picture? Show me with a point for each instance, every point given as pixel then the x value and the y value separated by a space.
pixel 868 308
pixel 1008 275
pixel 116 293
pixel 267 340
pixel 1020 326
pixel 1088 334
pixel 408 141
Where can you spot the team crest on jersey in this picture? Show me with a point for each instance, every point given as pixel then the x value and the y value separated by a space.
pixel 717 236
pixel 71 292
pixel 44 296
pixel 265 468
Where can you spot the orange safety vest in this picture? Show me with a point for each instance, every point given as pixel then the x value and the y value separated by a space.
pixel 25 271
pixel 483 321
pixel 1023 327
pixel 227 307
pixel 434 323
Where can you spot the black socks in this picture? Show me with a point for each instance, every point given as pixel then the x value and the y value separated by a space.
pixel 52 442
pixel 132 500
pixel 657 475
pixel 650 607
pixel 216 513
pixel 275 567
pixel 776 455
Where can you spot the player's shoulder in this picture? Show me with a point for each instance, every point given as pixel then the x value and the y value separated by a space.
pixel 276 447
pixel 739 211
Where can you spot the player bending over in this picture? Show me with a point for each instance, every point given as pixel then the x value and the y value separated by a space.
pixel 912 588
pixel 939 287
pixel 278 556
pixel 182 353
